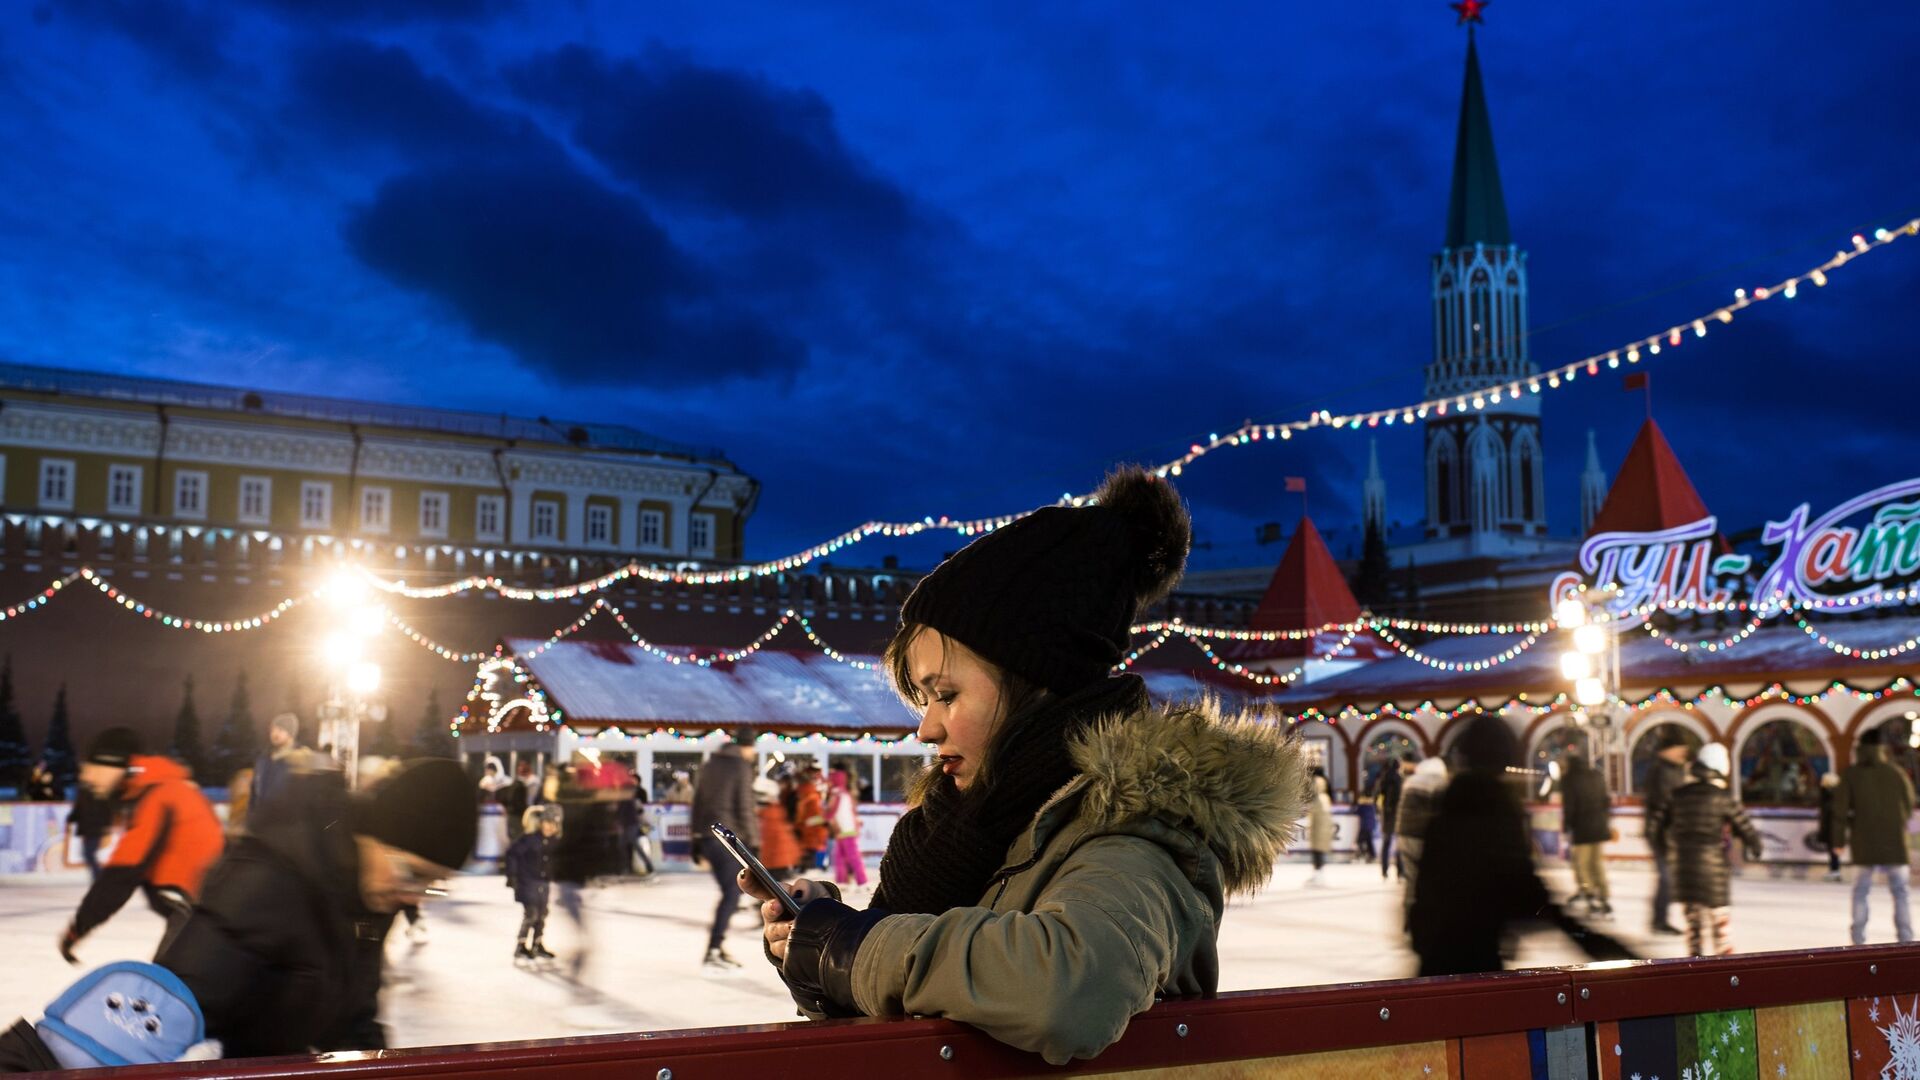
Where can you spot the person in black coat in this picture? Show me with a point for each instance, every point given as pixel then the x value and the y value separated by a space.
pixel 1667 774
pixel 529 866
pixel 1477 884
pixel 1387 787
pixel 1829 828
pixel 91 819
pixel 1586 815
pixel 283 949
pixel 1692 825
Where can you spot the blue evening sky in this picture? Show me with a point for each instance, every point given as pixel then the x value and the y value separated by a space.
pixel 901 259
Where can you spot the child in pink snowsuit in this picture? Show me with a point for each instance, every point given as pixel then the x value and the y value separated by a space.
pixel 845 826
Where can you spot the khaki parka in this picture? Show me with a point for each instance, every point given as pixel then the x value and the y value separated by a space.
pixel 1871 810
pixel 1112 898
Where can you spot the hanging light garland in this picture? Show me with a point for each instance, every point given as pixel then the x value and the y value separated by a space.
pixel 1495 660
pixel 1258 678
pixel 1846 650
pixel 1721 645
pixel 177 622
pixel 1553 379
pixel 1901 686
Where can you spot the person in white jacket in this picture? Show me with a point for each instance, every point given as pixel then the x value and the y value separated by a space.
pixel 1319 828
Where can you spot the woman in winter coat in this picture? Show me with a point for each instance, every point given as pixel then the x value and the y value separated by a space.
pixel 779 847
pixel 810 818
pixel 1691 825
pixel 1067 861
pixel 1319 827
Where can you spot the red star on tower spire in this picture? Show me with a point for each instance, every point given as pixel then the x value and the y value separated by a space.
pixel 1470 11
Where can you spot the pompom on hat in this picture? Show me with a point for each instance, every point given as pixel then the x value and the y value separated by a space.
pixel 1051 596
pixel 1714 758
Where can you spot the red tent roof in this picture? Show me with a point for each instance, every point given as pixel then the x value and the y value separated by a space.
pixel 1651 492
pixel 1307 589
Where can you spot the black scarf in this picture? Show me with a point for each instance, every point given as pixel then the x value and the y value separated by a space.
pixel 944 852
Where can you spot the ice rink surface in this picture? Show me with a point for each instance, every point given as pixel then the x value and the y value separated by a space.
pixel 641 966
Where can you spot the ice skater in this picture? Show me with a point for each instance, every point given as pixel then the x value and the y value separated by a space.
pixel 1319 828
pixel 1586 816
pixel 1691 825
pixel 723 793
pixel 848 864
pixel 172 836
pixel 529 865
pixel 1870 814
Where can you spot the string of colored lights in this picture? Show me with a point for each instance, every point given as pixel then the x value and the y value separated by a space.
pixel 1721 645
pixel 1258 678
pixel 1133 656
pixel 1663 697
pixel 1245 435
pixel 1495 660
pixel 1844 649
pixel 177 622
pixel 1552 379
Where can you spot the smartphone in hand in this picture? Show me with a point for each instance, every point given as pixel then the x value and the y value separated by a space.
pixel 753 866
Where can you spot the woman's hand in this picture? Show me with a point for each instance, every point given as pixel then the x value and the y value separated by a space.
pixel 779 924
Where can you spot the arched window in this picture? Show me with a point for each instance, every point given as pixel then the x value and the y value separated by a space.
pixel 1646 744
pixel 1442 512
pixel 1526 482
pixel 1552 750
pixel 1483 490
pixel 1780 765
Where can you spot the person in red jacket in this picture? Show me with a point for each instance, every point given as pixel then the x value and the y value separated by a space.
pixel 172 835
pixel 779 845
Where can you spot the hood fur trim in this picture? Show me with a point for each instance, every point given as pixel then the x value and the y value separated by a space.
pixel 1239 781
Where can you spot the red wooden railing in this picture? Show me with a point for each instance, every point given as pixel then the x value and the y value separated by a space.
pixel 1250 1026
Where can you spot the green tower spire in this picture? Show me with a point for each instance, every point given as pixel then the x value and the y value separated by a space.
pixel 1476 210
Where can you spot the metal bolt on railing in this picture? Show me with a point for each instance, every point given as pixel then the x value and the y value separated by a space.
pixel 1386 1014
pixel 1180 1030
pixel 1585 993
pixel 1560 998
pixel 1733 980
pixel 663 1074
pixel 946 1053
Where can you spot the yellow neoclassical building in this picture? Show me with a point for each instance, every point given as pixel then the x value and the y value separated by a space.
pixel 107 451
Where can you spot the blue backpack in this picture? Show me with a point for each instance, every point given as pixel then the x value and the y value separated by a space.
pixel 125 1013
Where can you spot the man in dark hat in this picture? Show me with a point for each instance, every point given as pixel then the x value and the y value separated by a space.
pixel 284 948
pixel 723 792
pixel 283 756
pixel 1870 813
pixel 1665 776
pixel 172 835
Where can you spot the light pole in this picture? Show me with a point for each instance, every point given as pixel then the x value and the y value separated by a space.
pixel 348 672
pixel 1593 666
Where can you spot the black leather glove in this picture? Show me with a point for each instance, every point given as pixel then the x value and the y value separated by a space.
pixel 68 939
pixel 820 953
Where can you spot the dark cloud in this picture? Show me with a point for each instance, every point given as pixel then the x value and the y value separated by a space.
pixel 575 279
pixel 387 12
pixel 188 37
pixel 719 139
pixel 354 93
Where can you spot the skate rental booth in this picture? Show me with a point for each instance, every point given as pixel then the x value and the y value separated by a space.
pixel 1839 1013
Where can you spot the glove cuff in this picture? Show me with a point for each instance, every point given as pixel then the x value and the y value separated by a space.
pixel 820 955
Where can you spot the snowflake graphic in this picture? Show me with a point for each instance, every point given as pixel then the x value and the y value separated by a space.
pixel 1780 1069
pixel 1733 1025
pixel 1903 1043
pixel 1873 1011
pixel 1635 1076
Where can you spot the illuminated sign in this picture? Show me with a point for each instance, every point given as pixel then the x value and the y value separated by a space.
pixel 1857 552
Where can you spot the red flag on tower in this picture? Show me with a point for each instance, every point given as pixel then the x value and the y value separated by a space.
pixel 1636 380
pixel 1297 483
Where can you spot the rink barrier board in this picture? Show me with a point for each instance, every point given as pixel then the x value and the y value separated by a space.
pixel 1833 1012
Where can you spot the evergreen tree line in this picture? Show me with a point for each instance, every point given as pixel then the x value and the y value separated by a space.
pixel 237 740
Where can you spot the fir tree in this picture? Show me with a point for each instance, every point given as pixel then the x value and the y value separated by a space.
pixel 430 738
pixel 16 756
pixel 1372 582
pixel 186 736
pixel 237 740
pixel 58 753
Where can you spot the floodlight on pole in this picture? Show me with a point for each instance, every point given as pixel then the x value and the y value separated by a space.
pixel 1570 613
pixel 363 678
pixel 1575 666
pixel 1589 691
pixel 1591 639
pixel 345 588
pixel 341 649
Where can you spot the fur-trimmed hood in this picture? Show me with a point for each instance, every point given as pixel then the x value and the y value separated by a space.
pixel 1238 781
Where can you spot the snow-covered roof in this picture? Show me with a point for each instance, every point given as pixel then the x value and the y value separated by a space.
pixel 597 683
pixel 1776 653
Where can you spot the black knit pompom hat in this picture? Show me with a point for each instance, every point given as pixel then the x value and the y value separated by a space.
pixel 1051 596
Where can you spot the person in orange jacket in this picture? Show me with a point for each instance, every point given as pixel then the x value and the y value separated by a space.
pixel 810 818
pixel 779 847
pixel 172 835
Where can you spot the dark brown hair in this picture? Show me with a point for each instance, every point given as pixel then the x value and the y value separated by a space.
pixel 1016 695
